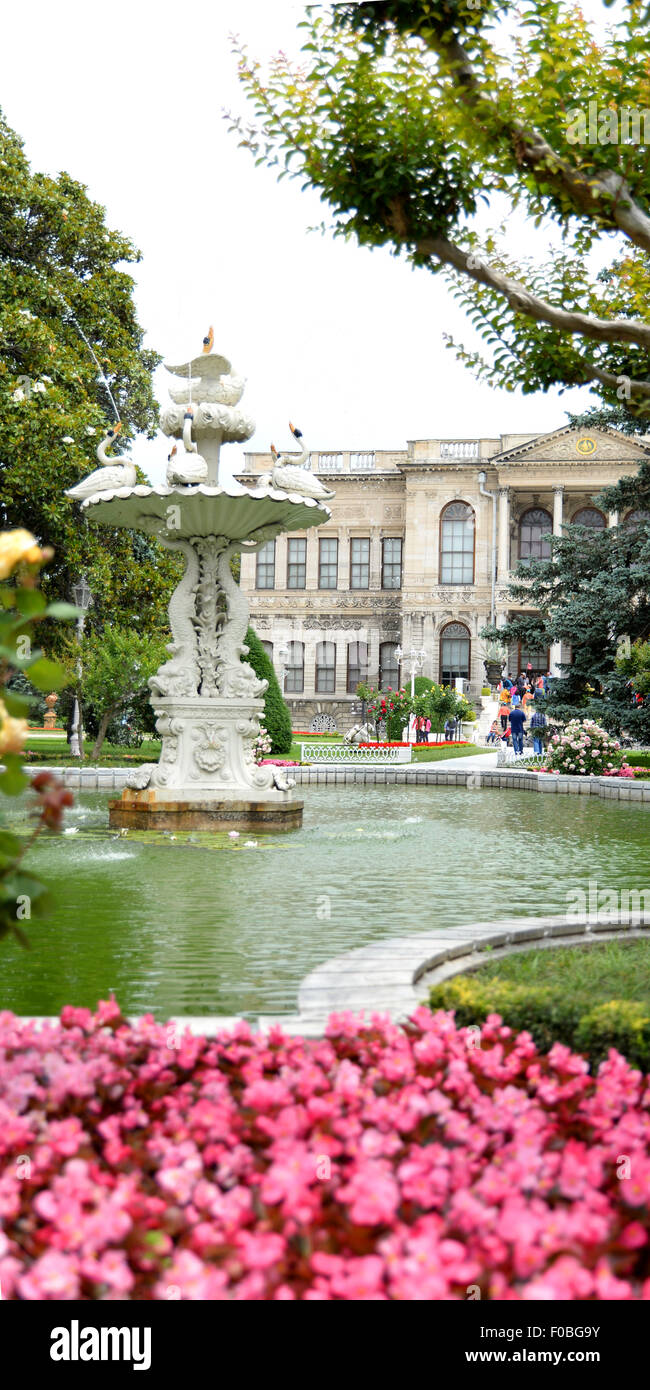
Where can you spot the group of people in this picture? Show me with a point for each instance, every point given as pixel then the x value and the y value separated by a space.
pixel 520 705
pixel 423 729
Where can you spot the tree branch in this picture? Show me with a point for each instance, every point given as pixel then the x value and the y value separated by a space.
pixel 603 192
pixel 521 299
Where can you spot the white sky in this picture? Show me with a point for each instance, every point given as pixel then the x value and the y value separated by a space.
pixel 348 343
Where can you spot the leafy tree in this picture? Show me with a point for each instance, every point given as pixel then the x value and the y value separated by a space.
pixel 114 669
pixel 276 717
pixel 406 116
pixel 69 342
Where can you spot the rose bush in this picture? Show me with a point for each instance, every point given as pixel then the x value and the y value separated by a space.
pixel 584 749
pixel 379 1163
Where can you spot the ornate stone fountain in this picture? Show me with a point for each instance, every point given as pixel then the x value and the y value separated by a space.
pixel 207 698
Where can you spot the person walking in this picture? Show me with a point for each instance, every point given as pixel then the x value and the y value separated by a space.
pixel 540 693
pixel 537 725
pixel 517 722
pixel 504 711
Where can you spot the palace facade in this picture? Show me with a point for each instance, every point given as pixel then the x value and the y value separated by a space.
pixel 418 553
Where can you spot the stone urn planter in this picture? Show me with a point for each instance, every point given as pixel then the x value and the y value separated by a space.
pixel 493 671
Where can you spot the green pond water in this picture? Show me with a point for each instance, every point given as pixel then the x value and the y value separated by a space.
pixel 201 925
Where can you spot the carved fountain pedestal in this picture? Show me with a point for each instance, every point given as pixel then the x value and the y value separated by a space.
pixel 207 698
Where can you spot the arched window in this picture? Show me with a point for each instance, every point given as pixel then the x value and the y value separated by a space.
pixel 534 524
pixel 294 682
pixel 637 518
pixel 326 668
pixel 589 516
pixel 268 647
pixel 455 653
pixel 357 665
pixel 457 532
pixel 388 667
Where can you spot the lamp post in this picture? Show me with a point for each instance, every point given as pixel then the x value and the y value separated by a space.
pixel 82 598
pixel 415 659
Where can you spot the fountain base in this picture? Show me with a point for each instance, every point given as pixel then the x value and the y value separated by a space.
pixel 154 809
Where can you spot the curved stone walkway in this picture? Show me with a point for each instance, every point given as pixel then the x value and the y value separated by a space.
pixel 393 976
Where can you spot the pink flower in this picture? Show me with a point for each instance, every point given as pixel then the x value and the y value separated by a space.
pixel 372 1195
pixel 54 1276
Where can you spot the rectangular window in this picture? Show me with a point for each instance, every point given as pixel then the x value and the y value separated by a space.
pixel 357 665
pixel 359 563
pixel 388 667
pixel 328 562
pixel 294 683
pixel 391 564
pixel 296 563
pixel 325 668
pixel 265 572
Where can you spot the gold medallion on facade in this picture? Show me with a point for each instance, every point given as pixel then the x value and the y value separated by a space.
pixel 585 446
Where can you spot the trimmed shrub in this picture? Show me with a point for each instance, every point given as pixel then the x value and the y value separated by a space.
pixel 641 759
pixel 550 1018
pixel 276 717
pixel 422 684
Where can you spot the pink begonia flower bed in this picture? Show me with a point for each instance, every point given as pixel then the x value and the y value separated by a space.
pixel 381 1162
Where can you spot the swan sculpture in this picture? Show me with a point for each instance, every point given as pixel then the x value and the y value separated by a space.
pixel 288 475
pixel 114 473
pixel 191 468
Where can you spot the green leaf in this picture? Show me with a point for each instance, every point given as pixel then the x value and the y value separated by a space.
pixel 18 706
pixel 13 780
pixel 10 845
pixel 30 601
pixel 64 611
pixel 46 674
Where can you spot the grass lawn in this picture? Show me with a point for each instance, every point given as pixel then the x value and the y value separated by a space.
pixel 54 752
pixel 588 974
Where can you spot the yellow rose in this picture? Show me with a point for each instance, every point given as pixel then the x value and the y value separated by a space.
pixel 17 546
pixel 13 732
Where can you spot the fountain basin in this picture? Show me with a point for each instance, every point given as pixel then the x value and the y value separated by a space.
pixel 151 809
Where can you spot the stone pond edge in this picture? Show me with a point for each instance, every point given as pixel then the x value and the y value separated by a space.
pixel 474 779
pixel 393 976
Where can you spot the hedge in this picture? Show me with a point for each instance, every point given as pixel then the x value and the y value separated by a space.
pixel 276 717
pixel 641 759
pixel 539 1010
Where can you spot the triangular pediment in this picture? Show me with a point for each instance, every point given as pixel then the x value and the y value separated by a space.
pixel 576 445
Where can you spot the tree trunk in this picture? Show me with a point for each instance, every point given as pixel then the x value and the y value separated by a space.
pixel 101 732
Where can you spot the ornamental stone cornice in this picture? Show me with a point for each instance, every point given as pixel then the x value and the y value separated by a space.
pixel 559 447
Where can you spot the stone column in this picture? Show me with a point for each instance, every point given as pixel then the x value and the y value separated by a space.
pixel 281 562
pixel 558 510
pixel 503 560
pixel 375 560
pixel 343 581
pixel 311 574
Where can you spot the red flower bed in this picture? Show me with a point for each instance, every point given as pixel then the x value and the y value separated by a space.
pixel 444 743
pixel 381 1162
